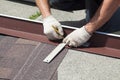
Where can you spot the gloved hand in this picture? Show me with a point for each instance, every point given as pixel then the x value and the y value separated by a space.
pixel 77 37
pixel 52 28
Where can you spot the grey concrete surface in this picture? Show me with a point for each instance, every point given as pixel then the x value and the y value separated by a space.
pixel 85 66
pixel 25 9
pixel 76 65
pixel 74 18
pixel 17 8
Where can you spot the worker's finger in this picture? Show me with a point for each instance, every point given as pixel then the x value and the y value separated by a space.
pixel 60 30
pixel 73 43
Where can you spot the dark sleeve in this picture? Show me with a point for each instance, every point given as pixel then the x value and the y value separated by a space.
pixel 92 6
pixel 68 5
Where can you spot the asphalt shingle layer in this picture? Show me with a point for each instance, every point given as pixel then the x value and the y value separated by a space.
pixel 76 65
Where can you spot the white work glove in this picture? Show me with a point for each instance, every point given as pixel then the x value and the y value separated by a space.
pixel 50 22
pixel 77 37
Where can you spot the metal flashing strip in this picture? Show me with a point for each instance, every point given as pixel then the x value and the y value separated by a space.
pixel 65 26
pixel 101 43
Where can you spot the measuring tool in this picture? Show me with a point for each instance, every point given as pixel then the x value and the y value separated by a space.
pixel 55 52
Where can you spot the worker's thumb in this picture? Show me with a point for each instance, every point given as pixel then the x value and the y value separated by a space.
pixel 60 30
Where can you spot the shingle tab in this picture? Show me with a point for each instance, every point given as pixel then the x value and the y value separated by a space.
pixel 12 56
pixel 22 59
pixel 39 70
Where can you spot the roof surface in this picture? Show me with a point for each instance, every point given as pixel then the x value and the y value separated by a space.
pixel 20 58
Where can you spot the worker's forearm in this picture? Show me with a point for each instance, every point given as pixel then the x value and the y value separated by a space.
pixel 43 7
pixel 103 14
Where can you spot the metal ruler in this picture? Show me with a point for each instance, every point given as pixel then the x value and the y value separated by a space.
pixel 55 52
